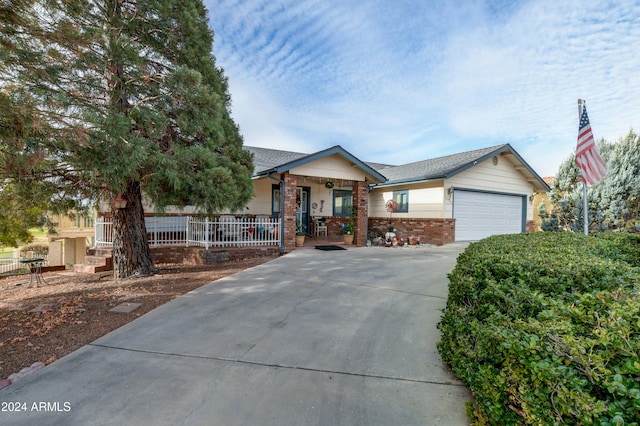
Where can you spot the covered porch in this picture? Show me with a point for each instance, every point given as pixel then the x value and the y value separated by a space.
pixel 330 188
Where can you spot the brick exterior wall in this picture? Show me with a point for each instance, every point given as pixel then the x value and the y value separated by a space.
pixel 290 189
pixel 430 231
pixel 360 196
pixel 334 227
pixel 200 256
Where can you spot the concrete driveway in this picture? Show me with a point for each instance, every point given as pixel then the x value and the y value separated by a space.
pixel 318 338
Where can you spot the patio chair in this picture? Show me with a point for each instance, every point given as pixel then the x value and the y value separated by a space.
pixel 320 227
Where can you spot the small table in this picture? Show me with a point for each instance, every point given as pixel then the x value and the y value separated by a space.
pixel 35 269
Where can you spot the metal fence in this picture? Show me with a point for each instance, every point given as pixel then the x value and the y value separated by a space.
pixel 224 231
pixel 10 264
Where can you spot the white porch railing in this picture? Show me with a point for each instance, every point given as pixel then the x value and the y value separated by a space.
pixel 10 264
pixel 226 231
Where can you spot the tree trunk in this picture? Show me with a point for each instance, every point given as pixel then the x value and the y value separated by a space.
pixel 131 254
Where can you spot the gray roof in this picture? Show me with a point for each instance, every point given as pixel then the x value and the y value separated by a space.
pixel 437 168
pixel 267 161
pixel 450 165
pixel 379 166
pixel 265 158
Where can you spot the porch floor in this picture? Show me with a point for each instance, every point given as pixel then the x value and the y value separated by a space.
pixel 310 242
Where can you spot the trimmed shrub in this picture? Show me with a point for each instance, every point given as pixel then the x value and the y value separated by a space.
pixel 544 329
pixel 34 249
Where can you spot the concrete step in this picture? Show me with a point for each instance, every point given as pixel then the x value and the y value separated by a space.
pixel 91 269
pixel 98 260
pixel 100 251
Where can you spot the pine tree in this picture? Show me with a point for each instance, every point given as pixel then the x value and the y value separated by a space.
pixel 134 104
pixel 613 202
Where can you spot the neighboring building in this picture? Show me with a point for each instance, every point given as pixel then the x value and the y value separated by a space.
pixel 68 245
pixel 539 199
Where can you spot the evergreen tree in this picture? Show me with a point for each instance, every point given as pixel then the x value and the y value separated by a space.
pixel 133 103
pixel 29 179
pixel 613 202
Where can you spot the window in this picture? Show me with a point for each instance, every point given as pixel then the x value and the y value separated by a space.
pixel 342 203
pixel 275 200
pixel 402 201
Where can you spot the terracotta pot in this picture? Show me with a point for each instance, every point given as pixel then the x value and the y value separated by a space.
pixel 348 239
pixel 299 240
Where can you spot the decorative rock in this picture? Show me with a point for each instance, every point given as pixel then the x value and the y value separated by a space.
pixel 37 366
pixel 15 377
pixel 43 308
pixel 126 307
pixel 24 372
pixel 377 242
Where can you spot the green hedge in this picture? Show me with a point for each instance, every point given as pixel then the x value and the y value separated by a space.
pixel 544 329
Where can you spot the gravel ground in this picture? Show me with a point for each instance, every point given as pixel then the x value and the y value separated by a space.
pixel 73 309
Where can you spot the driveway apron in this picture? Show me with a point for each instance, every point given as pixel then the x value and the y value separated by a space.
pixel 311 338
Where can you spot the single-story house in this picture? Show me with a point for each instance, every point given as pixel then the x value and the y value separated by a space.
pixel 460 197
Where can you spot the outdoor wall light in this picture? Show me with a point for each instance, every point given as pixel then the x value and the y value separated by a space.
pixel 450 192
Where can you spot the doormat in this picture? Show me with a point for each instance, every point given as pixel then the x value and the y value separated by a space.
pixel 329 248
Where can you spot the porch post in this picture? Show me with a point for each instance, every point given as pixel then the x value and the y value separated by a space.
pixel 289 210
pixel 360 204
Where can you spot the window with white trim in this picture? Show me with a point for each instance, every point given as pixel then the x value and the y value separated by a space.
pixel 342 203
pixel 402 201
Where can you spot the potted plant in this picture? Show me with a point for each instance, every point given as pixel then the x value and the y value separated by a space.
pixel 300 234
pixel 390 234
pixel 347 230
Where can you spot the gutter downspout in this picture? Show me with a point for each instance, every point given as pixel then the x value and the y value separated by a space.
pixel 281 212
pixel 370 188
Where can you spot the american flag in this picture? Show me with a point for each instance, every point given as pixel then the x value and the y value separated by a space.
pixel 587 156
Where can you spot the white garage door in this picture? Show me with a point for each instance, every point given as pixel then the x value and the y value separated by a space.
pixel 480 214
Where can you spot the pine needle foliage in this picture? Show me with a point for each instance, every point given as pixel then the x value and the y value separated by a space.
pixel 122 98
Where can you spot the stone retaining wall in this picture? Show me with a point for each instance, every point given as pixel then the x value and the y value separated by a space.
pixel 200 256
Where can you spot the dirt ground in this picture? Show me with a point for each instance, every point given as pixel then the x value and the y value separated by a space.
pixel 46 323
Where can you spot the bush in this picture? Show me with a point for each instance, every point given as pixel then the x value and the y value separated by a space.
pixel 36 250
pixel 545 329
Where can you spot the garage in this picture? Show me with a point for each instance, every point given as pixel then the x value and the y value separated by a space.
pixel 481 214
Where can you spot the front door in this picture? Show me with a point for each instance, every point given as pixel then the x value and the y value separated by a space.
pixel 302 209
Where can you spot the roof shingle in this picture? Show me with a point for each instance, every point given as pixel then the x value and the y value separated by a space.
pixel 265 158
pixel 435 168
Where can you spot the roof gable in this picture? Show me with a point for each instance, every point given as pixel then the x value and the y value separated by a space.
pixel 450 165
pixel 267 161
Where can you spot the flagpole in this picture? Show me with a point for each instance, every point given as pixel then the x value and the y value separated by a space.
pixel 584 184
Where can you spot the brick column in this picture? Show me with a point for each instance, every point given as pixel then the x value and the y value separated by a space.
pixel 289 209
pixel 360 196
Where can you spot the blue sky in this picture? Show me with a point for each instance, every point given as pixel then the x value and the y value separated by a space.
pixel 397 81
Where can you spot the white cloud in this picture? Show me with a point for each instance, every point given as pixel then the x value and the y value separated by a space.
pixel 393 81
